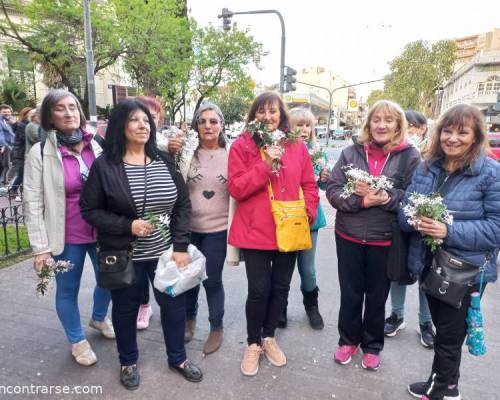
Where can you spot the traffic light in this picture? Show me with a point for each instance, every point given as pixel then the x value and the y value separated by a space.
pixel 226 19
pixel 289 78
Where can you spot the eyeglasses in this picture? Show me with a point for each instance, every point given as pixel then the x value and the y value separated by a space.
pixel 211 121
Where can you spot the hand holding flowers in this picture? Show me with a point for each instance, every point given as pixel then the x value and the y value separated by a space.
pixel 363 184
pixel 429 216
pixel 48 272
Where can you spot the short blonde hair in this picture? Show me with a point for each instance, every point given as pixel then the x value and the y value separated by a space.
pixel 395 111
pixel 300 115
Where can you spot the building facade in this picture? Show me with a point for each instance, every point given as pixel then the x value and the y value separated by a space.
pixel 468 46
pixel 476 83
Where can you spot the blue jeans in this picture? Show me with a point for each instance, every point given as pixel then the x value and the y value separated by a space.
pixel 126 304
pixel 398 295
pixel 213 246
pixel 68 286
pixel 306 263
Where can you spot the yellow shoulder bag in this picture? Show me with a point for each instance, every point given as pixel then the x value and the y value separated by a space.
pixel 292 224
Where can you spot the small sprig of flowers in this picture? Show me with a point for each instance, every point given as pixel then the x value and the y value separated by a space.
pixel 354 175
pixel 264 138
pixel 191 143
pixel 48 272
pixel 318 157
pixel 161 222
pixel 430 206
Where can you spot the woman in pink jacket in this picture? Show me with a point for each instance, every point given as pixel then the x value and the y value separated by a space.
pixel 269 271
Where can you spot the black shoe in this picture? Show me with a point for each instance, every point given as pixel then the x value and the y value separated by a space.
pixel 311 305
pixel 129 377
pixel 393 324
pixel 315 318
pixel 190 372
pixel 427 335
pixel 419 389
pixel 283 321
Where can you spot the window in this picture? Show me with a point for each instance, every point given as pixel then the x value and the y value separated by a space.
pixel 480 89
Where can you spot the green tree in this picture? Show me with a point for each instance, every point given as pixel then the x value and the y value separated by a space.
pixel 418 71
pixel 234 100
pixel 157 39
pixel 221 58
pixel 375 96
pixel 52 31
pixel 14 93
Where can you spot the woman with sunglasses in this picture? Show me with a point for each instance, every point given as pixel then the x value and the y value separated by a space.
pixel 55 173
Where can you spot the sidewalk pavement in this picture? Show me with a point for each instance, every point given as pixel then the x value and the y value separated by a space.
pixel 34 350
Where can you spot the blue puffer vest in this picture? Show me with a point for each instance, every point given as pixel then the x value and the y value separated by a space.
pixel 473 198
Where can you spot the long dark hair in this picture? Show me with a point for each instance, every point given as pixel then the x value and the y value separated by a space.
pixel 457 117
pixel 264 99
pixel 115 146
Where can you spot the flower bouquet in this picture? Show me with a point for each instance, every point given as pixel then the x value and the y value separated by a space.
pixel 430 206
pixel 161 222
pixel 264 138
pixel 191 142
pixel 48 272
pixel 318 157
pixel 354 175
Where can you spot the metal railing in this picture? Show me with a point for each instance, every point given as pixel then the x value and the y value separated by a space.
pixel 13 235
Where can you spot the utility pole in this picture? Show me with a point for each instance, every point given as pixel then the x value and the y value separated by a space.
pixel 89 57
pixel 227 14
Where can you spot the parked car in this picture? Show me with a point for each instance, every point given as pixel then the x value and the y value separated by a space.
pixel 339 134
pixel 494 140
pixel 320 132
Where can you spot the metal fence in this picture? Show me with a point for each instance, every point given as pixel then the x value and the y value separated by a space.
pixel 13 235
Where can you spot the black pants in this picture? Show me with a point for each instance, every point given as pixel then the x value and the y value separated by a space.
pixel 363 281
pixel 126 304
pixel 269 273
pixel 450 335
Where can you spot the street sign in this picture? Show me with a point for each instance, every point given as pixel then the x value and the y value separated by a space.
pixel 352 105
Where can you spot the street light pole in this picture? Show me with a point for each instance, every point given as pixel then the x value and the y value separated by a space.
pixel 227 14
pixel 89 57
pixel 330 93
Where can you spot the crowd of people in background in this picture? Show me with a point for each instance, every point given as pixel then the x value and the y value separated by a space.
pixel 84 194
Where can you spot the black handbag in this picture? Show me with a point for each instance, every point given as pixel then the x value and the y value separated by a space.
pixel 397 260
pixel 116 267
pixel 449 278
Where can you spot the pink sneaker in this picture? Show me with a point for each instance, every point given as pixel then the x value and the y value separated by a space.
pixel 144 315
pixel 370 361
pixel 424 397
pixel 344 353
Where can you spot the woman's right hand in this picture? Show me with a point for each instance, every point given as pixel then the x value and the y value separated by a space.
pixel 175 144
pixel 141 228
pixel 272 153
pixel 40 260
pixel 376 198
pixel 362 189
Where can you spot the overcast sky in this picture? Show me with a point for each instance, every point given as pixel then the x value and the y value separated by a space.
pixel 356 38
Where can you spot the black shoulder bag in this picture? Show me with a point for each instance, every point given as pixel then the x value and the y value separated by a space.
pixel 116 267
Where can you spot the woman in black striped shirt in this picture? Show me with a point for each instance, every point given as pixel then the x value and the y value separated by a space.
pixel 131 180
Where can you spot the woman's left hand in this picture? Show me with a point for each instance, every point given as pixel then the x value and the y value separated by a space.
pixel 324 175
pixel 181 258
pixel 432 228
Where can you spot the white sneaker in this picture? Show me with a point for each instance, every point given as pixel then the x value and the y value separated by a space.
pixel 83 353
pixel 105 327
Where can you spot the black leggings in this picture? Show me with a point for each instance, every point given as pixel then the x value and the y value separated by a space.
pixel 269 273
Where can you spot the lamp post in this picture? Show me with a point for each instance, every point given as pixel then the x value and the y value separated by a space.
pixel 89 57
pixel 226 14
pixel 330 94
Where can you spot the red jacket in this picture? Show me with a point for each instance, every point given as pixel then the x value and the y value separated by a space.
pixel 253 225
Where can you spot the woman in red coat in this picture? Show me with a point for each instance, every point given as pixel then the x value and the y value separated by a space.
pixel 253 230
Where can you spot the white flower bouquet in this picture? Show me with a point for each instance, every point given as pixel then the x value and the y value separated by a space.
pixel 354 175
pixel 48 272
pixel 430 206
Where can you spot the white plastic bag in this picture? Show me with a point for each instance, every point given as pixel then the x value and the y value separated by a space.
pixel 172 280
